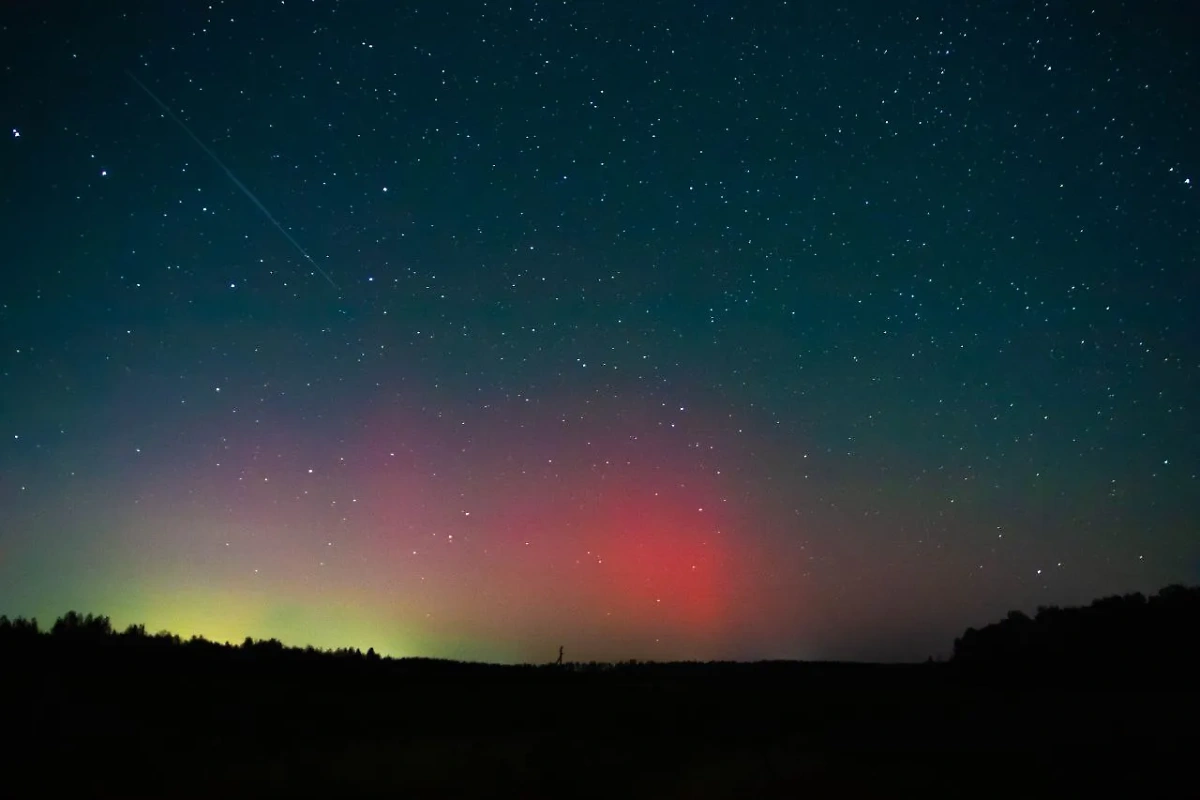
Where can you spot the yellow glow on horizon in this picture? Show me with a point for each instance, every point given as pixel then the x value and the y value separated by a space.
pixel 231 616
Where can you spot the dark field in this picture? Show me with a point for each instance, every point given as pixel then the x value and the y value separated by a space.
pixel 202 720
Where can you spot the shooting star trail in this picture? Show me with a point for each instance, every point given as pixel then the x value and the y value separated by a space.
pixel 233 178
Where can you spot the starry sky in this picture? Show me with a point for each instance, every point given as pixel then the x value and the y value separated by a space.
pixel 656 330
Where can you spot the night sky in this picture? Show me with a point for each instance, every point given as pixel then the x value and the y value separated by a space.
pixel 654 329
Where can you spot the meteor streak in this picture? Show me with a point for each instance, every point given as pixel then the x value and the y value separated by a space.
pixel 233 178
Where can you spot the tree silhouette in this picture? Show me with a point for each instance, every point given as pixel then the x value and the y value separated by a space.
pixel 18 628
pixel 74 624
pixel 1117 636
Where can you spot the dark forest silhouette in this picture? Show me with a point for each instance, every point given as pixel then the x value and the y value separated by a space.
pixel 1121 635
pixel 1069 698
pixel 1111 636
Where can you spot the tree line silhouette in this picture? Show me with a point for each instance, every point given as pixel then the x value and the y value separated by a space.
pixel 75 632
pixel 94 635
pixel 1114 636
pixel 1036 692
pixel 1122 636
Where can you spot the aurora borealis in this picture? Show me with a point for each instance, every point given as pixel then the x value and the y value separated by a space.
pixel 661 330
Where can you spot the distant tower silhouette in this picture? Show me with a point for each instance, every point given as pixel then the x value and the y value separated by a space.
pixel 559 662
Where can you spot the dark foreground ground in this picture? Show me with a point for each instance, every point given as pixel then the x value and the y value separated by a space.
pixel 86 721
